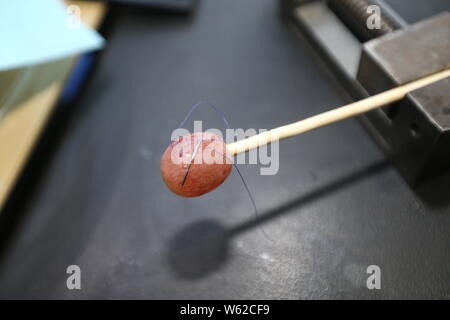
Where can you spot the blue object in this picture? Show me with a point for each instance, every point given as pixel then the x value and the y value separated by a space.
pixel 34 32
pixel 78 76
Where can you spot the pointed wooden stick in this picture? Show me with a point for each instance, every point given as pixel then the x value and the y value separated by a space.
pixel 335 115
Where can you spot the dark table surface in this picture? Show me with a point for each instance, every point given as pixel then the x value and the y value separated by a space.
pixel 94 196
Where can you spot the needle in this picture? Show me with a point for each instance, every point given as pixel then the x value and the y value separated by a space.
pixel 190 164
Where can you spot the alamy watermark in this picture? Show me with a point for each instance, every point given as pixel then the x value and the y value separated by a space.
pixel 73 281
pixel 374 19
pixel 374 280
pixel 267 155
pixel 73 17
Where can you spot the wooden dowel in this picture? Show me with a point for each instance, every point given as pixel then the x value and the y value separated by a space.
pixel 335 115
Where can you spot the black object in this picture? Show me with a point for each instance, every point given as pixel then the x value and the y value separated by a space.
pixel 416 138
pixel 170 5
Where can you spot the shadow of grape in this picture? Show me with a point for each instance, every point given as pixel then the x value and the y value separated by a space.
pixel 203 247
pixel 199 249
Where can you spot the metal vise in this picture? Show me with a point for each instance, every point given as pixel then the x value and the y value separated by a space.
pixel 415 132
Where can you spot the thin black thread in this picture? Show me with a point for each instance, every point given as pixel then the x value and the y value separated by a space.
pixel 227 125
pixel 198 104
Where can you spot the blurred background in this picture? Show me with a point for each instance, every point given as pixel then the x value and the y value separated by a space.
pixel 84 120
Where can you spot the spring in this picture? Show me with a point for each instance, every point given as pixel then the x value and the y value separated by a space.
pixel 357 10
